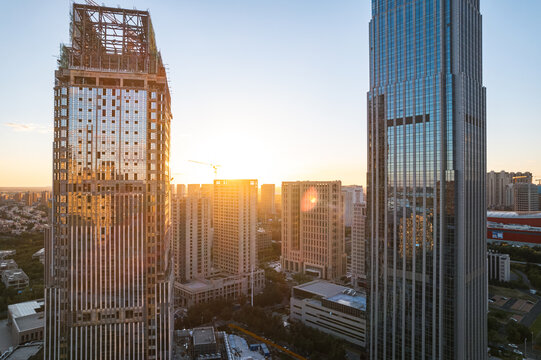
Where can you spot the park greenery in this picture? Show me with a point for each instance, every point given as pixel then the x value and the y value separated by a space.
pixel 261 320
pixel 26 245
pixel 304 340
pixel 519 253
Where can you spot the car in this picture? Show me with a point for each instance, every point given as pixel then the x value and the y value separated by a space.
pixel 513 345
pixel 533 291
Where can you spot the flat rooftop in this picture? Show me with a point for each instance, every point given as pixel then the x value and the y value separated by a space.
pixel 203 336
pixel 26 308
pixel 30 322
pixel 335 293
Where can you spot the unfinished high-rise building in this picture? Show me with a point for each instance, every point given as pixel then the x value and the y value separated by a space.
pixel 108 273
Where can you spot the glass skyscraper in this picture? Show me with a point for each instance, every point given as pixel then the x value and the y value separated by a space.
pixel 108 269
pixel 426 181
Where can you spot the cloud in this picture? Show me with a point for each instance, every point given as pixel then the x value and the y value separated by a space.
pixel 29 127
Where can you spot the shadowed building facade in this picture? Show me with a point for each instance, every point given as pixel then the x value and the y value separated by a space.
pixel 426 200
pixel 108 270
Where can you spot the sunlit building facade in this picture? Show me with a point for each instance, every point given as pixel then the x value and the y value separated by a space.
pixel 191 236
pixel 234 244
pixel 426 203
pixel 313 229
pixel 108 264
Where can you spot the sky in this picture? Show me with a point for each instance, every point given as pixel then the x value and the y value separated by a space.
pixel 268 89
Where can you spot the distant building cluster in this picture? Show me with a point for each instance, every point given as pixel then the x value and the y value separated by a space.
pixel 512 191
pixel 22 212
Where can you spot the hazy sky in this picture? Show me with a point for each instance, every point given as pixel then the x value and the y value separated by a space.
pixel 269 89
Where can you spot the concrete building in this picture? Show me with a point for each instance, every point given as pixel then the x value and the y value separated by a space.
pixel 426 189
pixel 263 240
pixel 108 268
pixel 218 286
pixel 499 266
pixel 40 255
pixel 525 197
pixel 313 228
pixel 191 242
pixel 7 253
pixel 26 321
pixel 15 278
pixel 205 344
pixel 330 308
pixel 358 245
pixel 180 190
pixel 8 264
pixel 267 202
pixel 353 194
pixel 234 246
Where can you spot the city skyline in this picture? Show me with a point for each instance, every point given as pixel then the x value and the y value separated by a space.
pixel 220 87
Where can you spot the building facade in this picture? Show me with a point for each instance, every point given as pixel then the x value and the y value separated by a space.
pixel 353 194
pixel 499 266
pixel 219 286
pixel 267 202
pixel 108 264
pixel 330 308
pixel 525 197
pixel 191 236
pixel 426 202
pixel 313 228
pixel 234 243
pixel 358 245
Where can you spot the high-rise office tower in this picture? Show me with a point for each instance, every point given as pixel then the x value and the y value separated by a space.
pixel 266 204
pixel 353 194
pixel 108 274
pixel 426 203
pixel 358 244
pixel 191 236
pixel 235 203
pixel 313 228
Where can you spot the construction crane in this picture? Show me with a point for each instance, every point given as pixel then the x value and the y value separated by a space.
pixel 174 174
pixel 214 166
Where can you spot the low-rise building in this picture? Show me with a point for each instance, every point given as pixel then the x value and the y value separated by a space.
pixel 499 266
pixel 15 278
pixel 334 309
pixel 7 264
pixel 205 344
pixel 26 321
pixel 218 286
pixel 6 253
pixel 40 255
